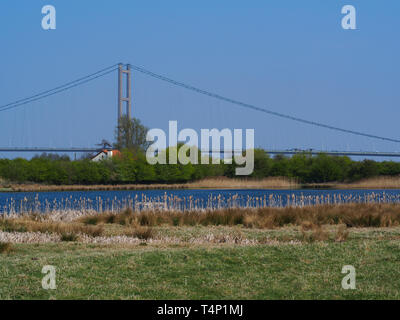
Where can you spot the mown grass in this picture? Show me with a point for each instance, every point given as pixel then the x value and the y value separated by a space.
pixel 306 271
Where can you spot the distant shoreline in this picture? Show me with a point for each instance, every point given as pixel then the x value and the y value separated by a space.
pixel 275 183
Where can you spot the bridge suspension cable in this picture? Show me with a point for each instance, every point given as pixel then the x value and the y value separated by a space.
pixel 59 89
pixel 253 107
pixel 113 68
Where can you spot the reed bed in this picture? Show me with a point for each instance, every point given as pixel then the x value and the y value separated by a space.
pixel 170 202
pixel 310 223
pixel 373 183
pixel 350 215
pixel 228 183
pixel 141 224
pixel 383 182
pixel 42 188
pixel 208 183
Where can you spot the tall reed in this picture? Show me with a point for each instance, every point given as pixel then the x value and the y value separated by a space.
pixel 171 202
pixel 350 215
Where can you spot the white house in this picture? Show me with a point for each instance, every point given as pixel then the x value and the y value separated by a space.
pixel 105 154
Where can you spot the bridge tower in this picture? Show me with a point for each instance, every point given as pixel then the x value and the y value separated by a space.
pixel 127 98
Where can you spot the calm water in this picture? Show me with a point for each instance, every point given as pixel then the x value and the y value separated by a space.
pixel 184 199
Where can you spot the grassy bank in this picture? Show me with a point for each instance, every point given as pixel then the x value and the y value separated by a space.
pixel 266 253
pixel 282 271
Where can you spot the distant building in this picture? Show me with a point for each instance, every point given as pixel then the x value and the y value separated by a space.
pixel 106 154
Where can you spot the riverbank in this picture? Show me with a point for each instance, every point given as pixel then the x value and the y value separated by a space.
pixel 242 253
pixel 270 270
pixel 211 183
pixel 157 225
pixel 274 183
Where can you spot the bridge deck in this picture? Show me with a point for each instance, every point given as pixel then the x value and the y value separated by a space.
pixel 284 152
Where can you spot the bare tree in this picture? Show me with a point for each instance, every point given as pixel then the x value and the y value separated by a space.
pixel 104 144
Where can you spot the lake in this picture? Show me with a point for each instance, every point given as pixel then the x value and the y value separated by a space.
pixel 184 199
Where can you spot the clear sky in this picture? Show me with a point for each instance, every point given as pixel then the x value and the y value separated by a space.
pixel 289 56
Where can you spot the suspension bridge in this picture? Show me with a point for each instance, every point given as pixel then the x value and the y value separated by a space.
pixel 124 75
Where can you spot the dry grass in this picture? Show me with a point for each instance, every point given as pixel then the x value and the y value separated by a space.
pixel 212 183
pixel 227 183
pixel 311 223
pixel 235 236
pixel 143 233
pixel 351 215
pixel 65 229
pixel 342 234
pixel 373 183
pixel 312 232
pixel 383 182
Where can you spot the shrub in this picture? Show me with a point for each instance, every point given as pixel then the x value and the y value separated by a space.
pixel 143 233
pixel 5 247
pixel 69 236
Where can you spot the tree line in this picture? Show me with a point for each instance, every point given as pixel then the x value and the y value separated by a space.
pixel 132 167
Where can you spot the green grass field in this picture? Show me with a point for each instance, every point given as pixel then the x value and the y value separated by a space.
pixel 208 271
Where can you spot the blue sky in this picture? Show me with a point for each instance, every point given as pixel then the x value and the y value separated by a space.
pixel 289 56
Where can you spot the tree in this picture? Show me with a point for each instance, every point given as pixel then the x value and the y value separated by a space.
pixel 52 157
pixel 280 166
pixel 131 134
pixel 300 166
pixel 324 168
pixel 104 144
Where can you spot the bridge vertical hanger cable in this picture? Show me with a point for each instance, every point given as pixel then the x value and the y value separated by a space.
pixel 112 68
pixel 253 107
